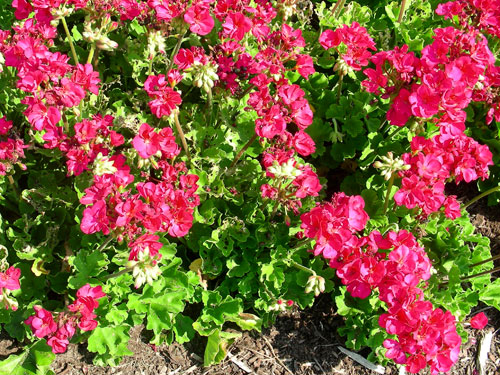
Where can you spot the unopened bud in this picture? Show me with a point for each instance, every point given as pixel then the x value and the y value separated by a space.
pixel 315 284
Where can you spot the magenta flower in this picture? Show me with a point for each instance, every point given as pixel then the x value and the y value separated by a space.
pixel 479 321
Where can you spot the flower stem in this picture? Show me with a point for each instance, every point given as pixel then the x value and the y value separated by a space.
pixel 402 11
pixel 388 194
pixel 242 151
pixel 181 134
pixel 210 106
pixel 91 54
pixel 116 274
pixel 482 195
pixel 70 40
pixel 338 8
pixel 105 243
pixel 339 88
pixel 301 267
pixel 175 51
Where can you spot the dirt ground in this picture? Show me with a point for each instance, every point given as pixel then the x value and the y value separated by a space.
pixel 300 343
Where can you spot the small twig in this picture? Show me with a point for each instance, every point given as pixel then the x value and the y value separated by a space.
pixel 181 134
pixel 484 349
pixel 362 361
pixel 402 11
pixel 276 357
pixel 242 151
pixel 239 363
pixel 70 40
pixel 485 261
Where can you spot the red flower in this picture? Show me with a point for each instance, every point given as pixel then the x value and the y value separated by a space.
pixel 479 321
pixel 199 19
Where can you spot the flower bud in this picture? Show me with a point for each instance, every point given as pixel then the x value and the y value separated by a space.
pixel 315 284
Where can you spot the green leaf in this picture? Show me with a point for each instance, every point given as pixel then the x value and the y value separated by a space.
pixel 112 340
pixel 183 329
pixel 35 360
pixel 491 294
pixel 88 266
pixel 217 345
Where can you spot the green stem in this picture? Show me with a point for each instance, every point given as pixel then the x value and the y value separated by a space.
pixel 175 51
pixel 402 11
pixel 210 106
pixel 338 8
pixel 150 69
pixel 181 134
pixel 301 267
pixel 116 274
pixel 70 40
pixel 242 151
pixel 339 88
pixel 388 194
pixel 302 243
pixel 91 54
pixel 105 243
pixel 482 195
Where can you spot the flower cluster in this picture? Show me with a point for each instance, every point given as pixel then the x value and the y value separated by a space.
pixel 352 44
pixel 394 264
pixel 165 99
pixel 60 329
pixel 454 70
pixel 482 15
pixel 9 280
pixel 435 161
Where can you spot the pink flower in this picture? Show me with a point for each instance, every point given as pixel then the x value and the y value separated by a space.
pixel 10 279
pixel 479 321
pixel 147 142
pixel 5 126
pixel 199 19
pixel 236 26
pixel 303 143
pixel 42 323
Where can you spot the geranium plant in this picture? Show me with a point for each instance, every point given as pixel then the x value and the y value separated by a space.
pixel 199 165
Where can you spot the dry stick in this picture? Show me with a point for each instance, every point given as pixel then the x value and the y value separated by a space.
pixel 480 274
pixel 276 357
pixel 402 11
pixel 70 40
pixel 242 151
pixel 485 261
pixel 181 134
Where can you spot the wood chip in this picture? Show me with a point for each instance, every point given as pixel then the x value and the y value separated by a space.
pixel 239 363
pixel 362 361
pixel 484 349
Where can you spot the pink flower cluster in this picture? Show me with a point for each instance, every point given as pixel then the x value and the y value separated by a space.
pixel 165 98
pixel 165 205
pixel 52 85
pixel 454 70
pixel 80 314
pixel 11 150
pixel 9 280
pixel 394 264
pixel 483 15
pixel 92 137
pixel 435 161
pixel 352 44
